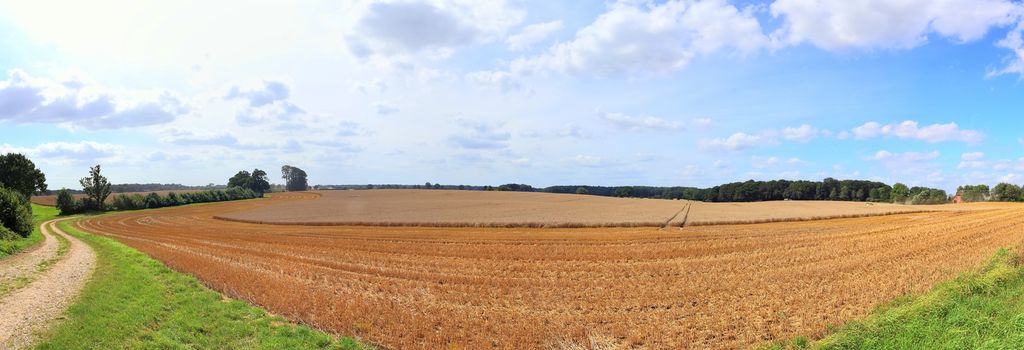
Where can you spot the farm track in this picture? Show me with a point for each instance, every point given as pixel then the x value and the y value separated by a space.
pixel 701 287
pixel 54 277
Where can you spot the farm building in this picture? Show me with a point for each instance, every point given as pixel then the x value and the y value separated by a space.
pixel 957 199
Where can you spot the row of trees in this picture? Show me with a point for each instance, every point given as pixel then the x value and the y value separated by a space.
pixel 19 179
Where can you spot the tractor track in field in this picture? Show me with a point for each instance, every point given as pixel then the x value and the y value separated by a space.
pixel 41 284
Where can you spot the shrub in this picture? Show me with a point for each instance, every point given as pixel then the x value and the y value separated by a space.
pixel 123 202
pixel 15 213
pixel 6 234
pixel 172 200
pixel 66 203
pixel 153 200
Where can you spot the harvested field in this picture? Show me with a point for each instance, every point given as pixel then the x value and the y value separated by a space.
pixel 52 200
pixel 728 286
pixel 522 209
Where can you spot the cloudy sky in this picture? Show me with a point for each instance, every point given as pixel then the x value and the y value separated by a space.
pixel 927 92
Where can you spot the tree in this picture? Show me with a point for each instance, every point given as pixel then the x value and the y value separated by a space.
pixel 241 179
pixel 969 193
pixel 258 182
pixel 582 190
pixel 1005 192
pixel 294 178
pixel 66 203
pixel 15 214
pixel 20 175
pixel 96 188
pixel 900 193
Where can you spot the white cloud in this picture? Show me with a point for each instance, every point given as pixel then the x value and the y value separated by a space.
pixel 972 160
pixel 803 133
pixel 502 80
pixel 635 36
pixel 26 99
pixel 887 24
pixel 434 28
pixel 641 123
pixel 905 157
pixel 261 94
pixel 737 142
pixel 68 153
pixel 532 34
pixel 910 129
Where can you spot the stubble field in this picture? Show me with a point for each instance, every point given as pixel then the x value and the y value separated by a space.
pixel 521 209
pixel 723 286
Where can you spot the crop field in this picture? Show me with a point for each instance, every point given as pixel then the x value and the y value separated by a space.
pixel 52 200
pixel 522 209
pixel 725 286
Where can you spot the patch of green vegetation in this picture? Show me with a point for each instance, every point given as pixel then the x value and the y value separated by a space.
pixel 980 310
pixel 40 213
pixel 136 302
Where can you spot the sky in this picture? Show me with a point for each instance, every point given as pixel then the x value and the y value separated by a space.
pixel 630 92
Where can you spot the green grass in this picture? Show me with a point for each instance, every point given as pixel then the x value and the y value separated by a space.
pixel 980 310
pixel 135 302
pixel 40 213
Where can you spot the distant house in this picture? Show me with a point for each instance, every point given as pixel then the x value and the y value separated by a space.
pixel 957 199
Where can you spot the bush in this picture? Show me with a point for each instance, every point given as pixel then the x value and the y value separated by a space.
pixel 66 203
pixel 123 202
pixel 15 213
pixel 6 234
pixel 153 200
pixel 172 200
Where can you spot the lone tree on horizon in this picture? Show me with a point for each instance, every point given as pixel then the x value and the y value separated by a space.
pixel 294 178
pixel 96 187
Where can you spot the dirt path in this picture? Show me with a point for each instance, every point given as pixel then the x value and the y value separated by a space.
pixel 29 310
pixel 23 265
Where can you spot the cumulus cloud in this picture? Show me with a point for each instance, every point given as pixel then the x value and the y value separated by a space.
pixel 803 133
pixel 886 24
pixel 403 28
pixel 640 123
pixel 479 135
pixel 638 36
pixel 737 142
pixel 532 34
pixel 910 129
pixel 187 138
pixel 26 99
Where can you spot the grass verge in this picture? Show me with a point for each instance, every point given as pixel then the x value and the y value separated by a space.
pixel 136 302
pixel 40 213
pixel 980 310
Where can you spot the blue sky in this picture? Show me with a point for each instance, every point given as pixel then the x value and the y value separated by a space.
pixel 692 93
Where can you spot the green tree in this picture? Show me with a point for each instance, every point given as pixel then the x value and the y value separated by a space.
pixel 294 178
pixel 96 188
pixel 15 213
pixel 582 190
pixel 241 179
pixel 66 202
pixel 20 175
pixel 900 193
pixel 1005 192
pixel 259 182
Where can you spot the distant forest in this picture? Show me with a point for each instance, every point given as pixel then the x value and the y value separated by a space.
pixel 748 191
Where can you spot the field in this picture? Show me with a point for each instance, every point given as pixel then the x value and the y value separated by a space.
pixel 724 286
pixel 52 200
pixel 521 209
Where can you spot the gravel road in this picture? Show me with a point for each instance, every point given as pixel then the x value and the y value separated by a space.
pixel 32 308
